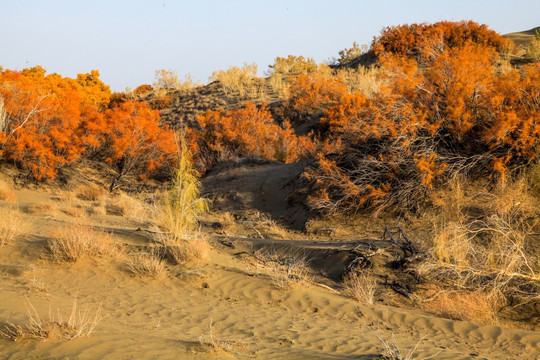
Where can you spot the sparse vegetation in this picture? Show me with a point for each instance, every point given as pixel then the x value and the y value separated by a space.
pixel 287 272
pixel 147 264
pixel 242 80
pixel 79 323
pixel 12 225
pixel 91 192
pixel 46 206
pixel 360 286
pixel 76 241
pixel 533 49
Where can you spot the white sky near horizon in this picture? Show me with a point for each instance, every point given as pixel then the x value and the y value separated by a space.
pixel 128 40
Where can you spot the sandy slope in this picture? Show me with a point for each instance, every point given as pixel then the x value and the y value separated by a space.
pixel 221 301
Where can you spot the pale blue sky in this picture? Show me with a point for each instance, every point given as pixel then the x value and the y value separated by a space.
pixel 128 40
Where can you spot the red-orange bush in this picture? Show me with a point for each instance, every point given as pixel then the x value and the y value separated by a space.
pixel 43 132
pixel 414 39
pixel 134 140
pixel 248 131
pixel 453 115
pixel 53 121
pixel 515 112
pixel 311 94
pixel 143 89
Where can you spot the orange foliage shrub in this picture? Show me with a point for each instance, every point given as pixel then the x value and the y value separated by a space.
pixel 249 131
pixel 44 131
pixel 411 40
pixel 516 113
pixel 143 89
pixel 53 121
pixel 453 115
pixel 134 140
pixel 310 94
pixel 93 92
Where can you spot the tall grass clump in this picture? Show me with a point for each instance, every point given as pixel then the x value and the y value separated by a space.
pixel 73 242
pixel 179 210
pixel 12 225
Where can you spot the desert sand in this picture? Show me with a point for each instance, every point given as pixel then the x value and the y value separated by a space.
pixel 226 307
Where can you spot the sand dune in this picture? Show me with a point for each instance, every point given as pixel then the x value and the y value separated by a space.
pixel 218 309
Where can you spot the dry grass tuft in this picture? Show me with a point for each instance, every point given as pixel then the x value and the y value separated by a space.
pixel 47 206
pixel 12 225
pixel 390 350
pixel 184 251
pixel 7 194
pixel 287 273
pixel 147 265
pixel 474 306
pixel 76 211
pixel 91 192
pixel 79 323
pixel 127 206
pixel 67 196
pixel 360 286
pixel 76 241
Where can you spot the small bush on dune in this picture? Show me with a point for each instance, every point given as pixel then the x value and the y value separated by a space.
pixel 127 206
pixel 76 211
pixel 293 65
pixel 79 323
pixel 12 225
pixel 91 192
pixel 177 215
pixel 360 286
pixel 241 80
pixel 490 260
pixel 147 265
pixel 187 249
pixel 74 242
pixel 181 206
pixel 475 306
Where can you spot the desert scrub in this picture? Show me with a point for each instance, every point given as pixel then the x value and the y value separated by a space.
pixel 147 265
pixel 489 262
pixel 287 273
pixel 47 206
pixel 196 248
pixel 238 79
pixel 177 215
pixel 127 206
pixel 180 207
pixel 79 323
pixel 360 286
pixel 76 241
pixel 91 192
pixel 12 225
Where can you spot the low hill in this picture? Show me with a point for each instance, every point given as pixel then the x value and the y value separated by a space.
pixel 522 38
